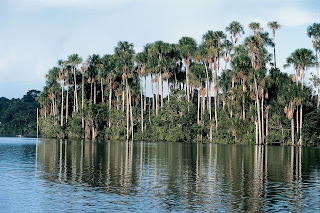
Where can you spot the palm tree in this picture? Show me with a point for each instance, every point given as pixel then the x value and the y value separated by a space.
pixel 314 32
pixel 213 41
pixel 84 69
pixel 235 28
pixel 255 27
pixel 62 78
pixel 93 69
pixel 274 26
pixel 254 43
pixel 75 60
pixel 301 59
pixel 142 60
pixel 187 47
pixel 124 54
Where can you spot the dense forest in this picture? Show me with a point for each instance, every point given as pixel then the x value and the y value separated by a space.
pixel 220 90
pixel 19 116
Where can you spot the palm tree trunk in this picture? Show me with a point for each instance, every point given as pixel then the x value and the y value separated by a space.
pixel 131 116
pixel 258 110
pixel 91 91
pixel 187 79
pixel 110 96
pixel 141 105
pixel 168 90
pixel 157 96
pixel 82 103
pixel 302 77
pixel 262 120
pixel 152 93
pixel 61 102
pixel 161 79
pixel 198 112
pixel 267 121
pixel 317 66
pixel 208 92
pixel 94 92
pixel 274 51
pixel 67 105
pixel 75 89
pixel 292 126
pixel 127 112
pixel 123 101
pixel 102 99
pixel 145 94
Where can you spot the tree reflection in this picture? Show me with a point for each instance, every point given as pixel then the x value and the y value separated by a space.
pixel 181 176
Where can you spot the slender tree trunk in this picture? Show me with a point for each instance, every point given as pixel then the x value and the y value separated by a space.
pixel 94 92
pixel 168 90
pixel 62 103
pixel 198 112
pixel 75 89
pixel 102 98
pixel 67 105
pixel 208 92
pixel 161 79
pixel 82 103
pixel 123 98
pixel 131 116
pixel 262 119
pixel 145 93
pixel 110 97
pixel 274 51
pixel 127 111
pixel 318 103
pixel 292 125
pixel 157 96
pixel 153 101
pixel 243 108
pixel 141 106
pixel 258 110
pixel 187 79
pixel 91 91
pixel 302 78
pixel 267 121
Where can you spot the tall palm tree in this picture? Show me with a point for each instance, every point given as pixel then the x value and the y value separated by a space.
pixel 255 27
pixel 142 60
pixel 314 32
pixel 213 41
pixel 301 59
pixel 61 78
pixel 84 69
pixel 93 71
pixel 274 25
pixel 235 28
pixel 124 53
pixel 254 43
pixel 75 60
pixel 187 47
pixel 159 50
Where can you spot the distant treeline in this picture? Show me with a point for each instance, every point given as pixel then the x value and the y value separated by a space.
pixel 19 116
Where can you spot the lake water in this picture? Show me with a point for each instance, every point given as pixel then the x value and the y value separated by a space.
pixel 72 176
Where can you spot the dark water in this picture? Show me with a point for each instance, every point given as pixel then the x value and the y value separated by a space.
pixel 73 176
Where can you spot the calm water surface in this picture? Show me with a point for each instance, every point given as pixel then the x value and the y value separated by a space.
pixel 71 176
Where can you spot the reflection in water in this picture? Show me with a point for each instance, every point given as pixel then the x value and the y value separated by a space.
pixel 177 176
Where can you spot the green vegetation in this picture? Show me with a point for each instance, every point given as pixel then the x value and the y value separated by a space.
pixel 106 96
pixel 19 116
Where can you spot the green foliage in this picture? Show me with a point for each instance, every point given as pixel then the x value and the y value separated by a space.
pixel 19 116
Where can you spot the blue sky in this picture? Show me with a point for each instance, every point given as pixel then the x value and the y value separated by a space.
pixel 36 33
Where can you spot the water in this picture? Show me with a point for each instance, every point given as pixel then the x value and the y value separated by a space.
pixel 83 176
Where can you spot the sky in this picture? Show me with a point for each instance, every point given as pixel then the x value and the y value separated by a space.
pixel 35 34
